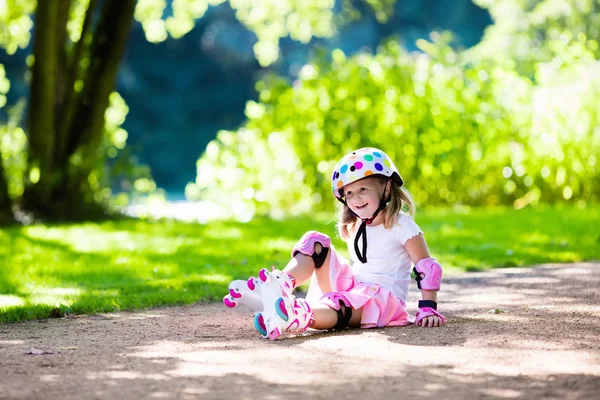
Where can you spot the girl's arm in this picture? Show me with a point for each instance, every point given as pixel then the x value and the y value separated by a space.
pixel 417 250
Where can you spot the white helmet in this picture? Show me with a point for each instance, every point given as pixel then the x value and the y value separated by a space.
pixel 360 164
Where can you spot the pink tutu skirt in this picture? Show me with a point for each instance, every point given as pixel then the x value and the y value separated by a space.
pixel 380 307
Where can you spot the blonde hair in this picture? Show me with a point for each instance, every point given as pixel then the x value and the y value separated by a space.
pixel 400 200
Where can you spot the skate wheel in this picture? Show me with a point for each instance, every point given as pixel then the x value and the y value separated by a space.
pixel 251 284
pixel 229 302
pixel 264 276
pixel 235 294
pixel 259 324
pixel 281 309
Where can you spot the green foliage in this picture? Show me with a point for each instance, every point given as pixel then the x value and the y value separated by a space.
pixel 528 34
pixel 270 20
pixel 462 127
pixel 382 8
pixel 85 268
pixel 134 179
pixel 13 150
pixel 12 142
pixel 4 86
pixel 15 24
pixel 553 44
pixel 76 19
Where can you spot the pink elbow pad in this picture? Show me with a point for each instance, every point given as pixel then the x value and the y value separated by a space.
pixel 432 271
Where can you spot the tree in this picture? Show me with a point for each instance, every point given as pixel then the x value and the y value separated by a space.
pixel 72 77
pixel 5 201
pixel 64 122
pixel 77 46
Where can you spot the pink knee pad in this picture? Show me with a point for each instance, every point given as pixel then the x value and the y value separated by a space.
pixel 335 301
pixel 306 246
pixel 432 271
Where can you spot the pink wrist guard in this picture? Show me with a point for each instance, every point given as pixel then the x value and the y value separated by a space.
pixel 432 271
pixel 427 312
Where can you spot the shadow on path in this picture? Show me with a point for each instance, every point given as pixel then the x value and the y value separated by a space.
pixel 512 333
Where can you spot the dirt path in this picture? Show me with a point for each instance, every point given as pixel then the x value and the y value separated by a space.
pixel 543 343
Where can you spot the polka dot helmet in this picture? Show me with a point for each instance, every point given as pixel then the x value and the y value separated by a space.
pixel 360 164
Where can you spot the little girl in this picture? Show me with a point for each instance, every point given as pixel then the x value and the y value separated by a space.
pixel 371 290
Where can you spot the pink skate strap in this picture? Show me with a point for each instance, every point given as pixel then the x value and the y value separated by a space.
pixel 427 312
pixel 290 282
pixel 432 271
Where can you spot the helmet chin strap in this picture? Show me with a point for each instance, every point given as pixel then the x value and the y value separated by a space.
pixel 362 229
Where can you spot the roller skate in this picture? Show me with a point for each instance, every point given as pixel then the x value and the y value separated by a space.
pixel 248 292
pixel 283 314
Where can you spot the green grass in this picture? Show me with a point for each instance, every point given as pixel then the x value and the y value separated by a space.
pixel 47 271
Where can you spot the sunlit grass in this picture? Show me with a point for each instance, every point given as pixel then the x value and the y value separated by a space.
pixel 48 271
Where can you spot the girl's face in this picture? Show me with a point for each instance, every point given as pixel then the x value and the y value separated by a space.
pixel 363 196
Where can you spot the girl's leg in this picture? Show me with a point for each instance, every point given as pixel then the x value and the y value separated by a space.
pixel 310 254
pixel 301 268
pixel 327 318
pixel 279 310
pixel 304 262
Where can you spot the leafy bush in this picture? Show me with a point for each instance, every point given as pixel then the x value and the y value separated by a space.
pixel 460 131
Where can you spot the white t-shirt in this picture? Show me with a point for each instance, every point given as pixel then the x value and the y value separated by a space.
pixel 388 263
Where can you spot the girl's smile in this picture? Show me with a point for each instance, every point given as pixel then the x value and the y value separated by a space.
pixel 363 197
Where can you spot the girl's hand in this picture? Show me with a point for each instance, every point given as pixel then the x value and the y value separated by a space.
pixel 428 315
pixel 432 320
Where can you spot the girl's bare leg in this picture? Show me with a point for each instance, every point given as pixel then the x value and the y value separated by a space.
pixel 302 266
pixel 327 318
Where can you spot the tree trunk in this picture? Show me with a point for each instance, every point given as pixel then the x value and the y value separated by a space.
pixel 73 74
pixel 42 109
pixel 62 191
pixel 62 66
pixel 108 46
pixel 6 215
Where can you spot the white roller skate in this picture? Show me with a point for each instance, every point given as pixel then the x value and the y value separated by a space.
pixel 247 292
pixel 283 314
pixel 271 295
